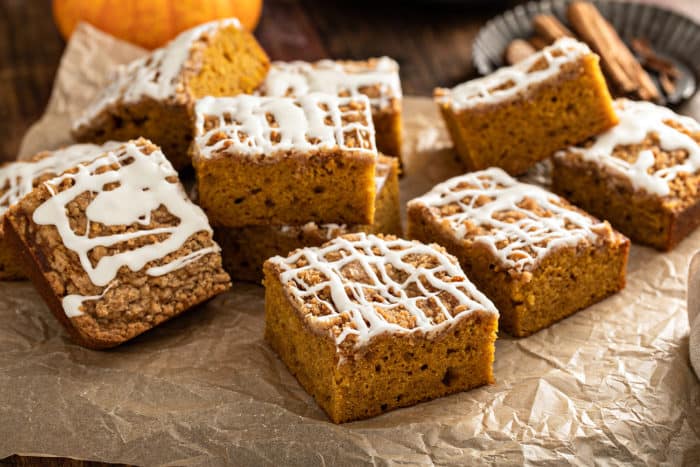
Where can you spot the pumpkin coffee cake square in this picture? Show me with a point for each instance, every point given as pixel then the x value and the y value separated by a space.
pixel 377 78
pixel 153 96
pixel 368 324
pixel 642 175
pixel 109 269
pixel 536 256
pixel 281 160
pixel 524 113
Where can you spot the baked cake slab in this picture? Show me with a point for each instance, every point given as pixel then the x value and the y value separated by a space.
pixel 153 96
pixel 524 113
pixel 536 256
pixel 369 323
pixel 280 160
pixel 642 175
pixel 17 179
pixel 377 78
pixel 109 269
pixel 245 249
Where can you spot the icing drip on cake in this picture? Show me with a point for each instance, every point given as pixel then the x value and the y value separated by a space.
pixel 637 121
pixel 519 223
pixel 362 286
pixel 256 125
pixel 156 75
pixel 18 178
pixel 510 81
pixel 379 75
pixel 143 187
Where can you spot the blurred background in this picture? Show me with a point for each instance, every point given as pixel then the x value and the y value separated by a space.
pixel 431 40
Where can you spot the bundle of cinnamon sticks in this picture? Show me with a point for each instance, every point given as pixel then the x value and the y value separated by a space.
pixel 625 73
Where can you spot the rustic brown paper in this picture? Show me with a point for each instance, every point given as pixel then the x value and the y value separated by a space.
pixel 610 385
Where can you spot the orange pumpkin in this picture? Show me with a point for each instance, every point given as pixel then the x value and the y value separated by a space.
pixel 151 23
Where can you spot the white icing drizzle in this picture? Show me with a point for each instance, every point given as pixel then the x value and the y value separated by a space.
pixel 332 77
pixel 486 90
pixel 156 75
pixel 143 188
pixel 637 121
pixel 19 177
pixel 522 239
pixel 306 123
pixel 72 303
pixel 363 303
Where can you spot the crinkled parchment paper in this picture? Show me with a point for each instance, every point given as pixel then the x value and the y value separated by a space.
pixel 610 385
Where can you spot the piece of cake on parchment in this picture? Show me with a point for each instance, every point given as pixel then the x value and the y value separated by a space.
pixel 109 269
pixel 536 256
pixel 368 324
pixel 153 96
pixel 522 114
pixel 642 175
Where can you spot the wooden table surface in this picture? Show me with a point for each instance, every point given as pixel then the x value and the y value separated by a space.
pixel 430 40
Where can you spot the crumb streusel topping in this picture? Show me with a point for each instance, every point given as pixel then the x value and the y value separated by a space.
pixel 655 149
pixel 509 81
pixel 255 125
pixel 125 208
pixel 359 286
pixel 518 222
pixel 377 78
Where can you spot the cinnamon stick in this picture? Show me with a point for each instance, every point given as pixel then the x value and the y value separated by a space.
pixel 518 50
pixel 621 66
pixel 550 28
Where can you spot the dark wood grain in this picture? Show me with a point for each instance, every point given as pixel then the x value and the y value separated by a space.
pixel 431 42
pixel 30 49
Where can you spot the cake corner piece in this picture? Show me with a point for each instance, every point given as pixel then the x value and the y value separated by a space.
pixel 18 178
pixel 280 160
